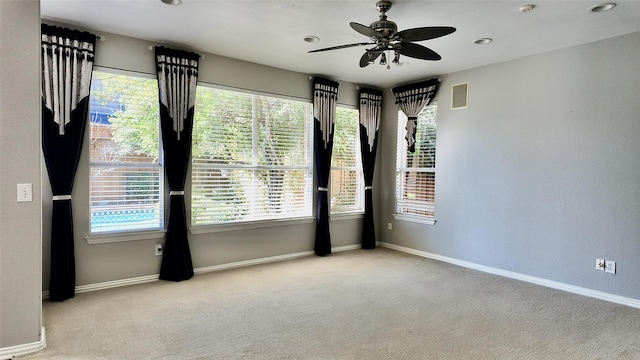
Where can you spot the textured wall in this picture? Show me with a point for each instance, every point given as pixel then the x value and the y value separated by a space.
pixel 20 234
pixel 539 175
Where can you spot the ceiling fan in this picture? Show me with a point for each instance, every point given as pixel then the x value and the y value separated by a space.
pixel 386 37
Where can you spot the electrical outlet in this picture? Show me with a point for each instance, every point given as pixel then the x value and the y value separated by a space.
pixel 389 226
pixel 158 249
pixel 610 266
pixel 599 264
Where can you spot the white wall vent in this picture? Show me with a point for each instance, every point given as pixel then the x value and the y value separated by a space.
pixel 459 96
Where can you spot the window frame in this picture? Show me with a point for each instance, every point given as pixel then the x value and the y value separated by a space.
pixel 101 237
pixel 401 168
pixel 356 211
pixel 262 223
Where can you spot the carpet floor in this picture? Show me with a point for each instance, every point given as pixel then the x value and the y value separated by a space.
pixel 360 304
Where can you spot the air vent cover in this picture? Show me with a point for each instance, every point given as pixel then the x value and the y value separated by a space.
pixel 459 96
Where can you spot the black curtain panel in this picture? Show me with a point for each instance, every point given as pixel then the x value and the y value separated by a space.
pixel 412 98
pixel 325 95
pixel 177 79
pixel 370 114
pixel 67 64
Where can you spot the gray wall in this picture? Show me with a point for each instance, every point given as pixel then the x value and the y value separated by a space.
pixel 540 174
pixel 115 261
pixel 20 234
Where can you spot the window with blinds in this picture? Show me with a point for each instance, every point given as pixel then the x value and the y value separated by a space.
pixel 252 158
pixel 347 182
pixel 416 172
pixel 126 174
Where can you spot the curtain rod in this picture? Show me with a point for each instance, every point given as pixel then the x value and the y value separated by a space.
pixel 151 47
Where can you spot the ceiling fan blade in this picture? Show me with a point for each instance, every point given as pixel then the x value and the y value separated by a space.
pixel 425 33
pixel 364 30
pixel 364 60
pixel 418 51
pixel 339 47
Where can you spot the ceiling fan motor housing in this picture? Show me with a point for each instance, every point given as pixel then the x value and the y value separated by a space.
pixel 385 27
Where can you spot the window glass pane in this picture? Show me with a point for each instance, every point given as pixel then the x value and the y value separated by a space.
pixel 251 158
pixel 126 176
pixel 345 139
pixel 281 125
pixel 346 190
pixel 415 183
pixel 425 152
pixel 347 182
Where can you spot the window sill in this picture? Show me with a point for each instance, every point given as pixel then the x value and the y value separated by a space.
pixel 205 229
pixel 346 216
pixel 415 218
pixel 124 236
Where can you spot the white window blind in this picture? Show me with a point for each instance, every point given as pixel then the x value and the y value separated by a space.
pixel 126 175
pixel 416 172
pixel 251 159
pixel 347 181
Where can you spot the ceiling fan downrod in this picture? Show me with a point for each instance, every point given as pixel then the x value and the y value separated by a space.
pixel 384 27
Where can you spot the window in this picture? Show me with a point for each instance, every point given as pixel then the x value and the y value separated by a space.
pixel 347 182
pixel 252 158
pixel 416 172
pixel 126 174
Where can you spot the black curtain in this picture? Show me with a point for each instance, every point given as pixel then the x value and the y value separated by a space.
pixel 177 79
pixel 67 64
pixel 325 95
pixel 370 114
pixel 412 98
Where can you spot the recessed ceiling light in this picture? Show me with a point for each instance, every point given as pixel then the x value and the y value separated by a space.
pixel 602 7
pixel 172 2
pixel 311 39
pixel 527 8
pixel 483 41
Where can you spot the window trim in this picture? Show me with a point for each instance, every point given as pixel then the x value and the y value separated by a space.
pixel 349 212
pixel 131 234
pixel 124 236
pixel 256 224
pixel 428 220
pixel 248 225
pixel 422 219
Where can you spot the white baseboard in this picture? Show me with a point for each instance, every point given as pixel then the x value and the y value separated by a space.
pixel 23 349
pixel 269 259
pixel 110 284
pixel 237 264
pixel 635 303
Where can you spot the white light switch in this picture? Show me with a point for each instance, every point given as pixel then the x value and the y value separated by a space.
pixel 24 193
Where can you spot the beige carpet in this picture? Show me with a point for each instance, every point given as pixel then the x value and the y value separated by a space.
pixel 361 304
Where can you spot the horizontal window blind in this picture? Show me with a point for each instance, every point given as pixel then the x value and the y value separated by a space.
pixel 347 181
pixel 415 174
pixel 126 174
pixel 251 158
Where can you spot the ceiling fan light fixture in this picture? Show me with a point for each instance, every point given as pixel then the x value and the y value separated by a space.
pixel 396 58
pixel 602 7
pixel 371 56
pixel 172 2
pixel 383 59
pixel 311 39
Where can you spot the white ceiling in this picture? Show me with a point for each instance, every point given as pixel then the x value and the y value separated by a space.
pixel 271 32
